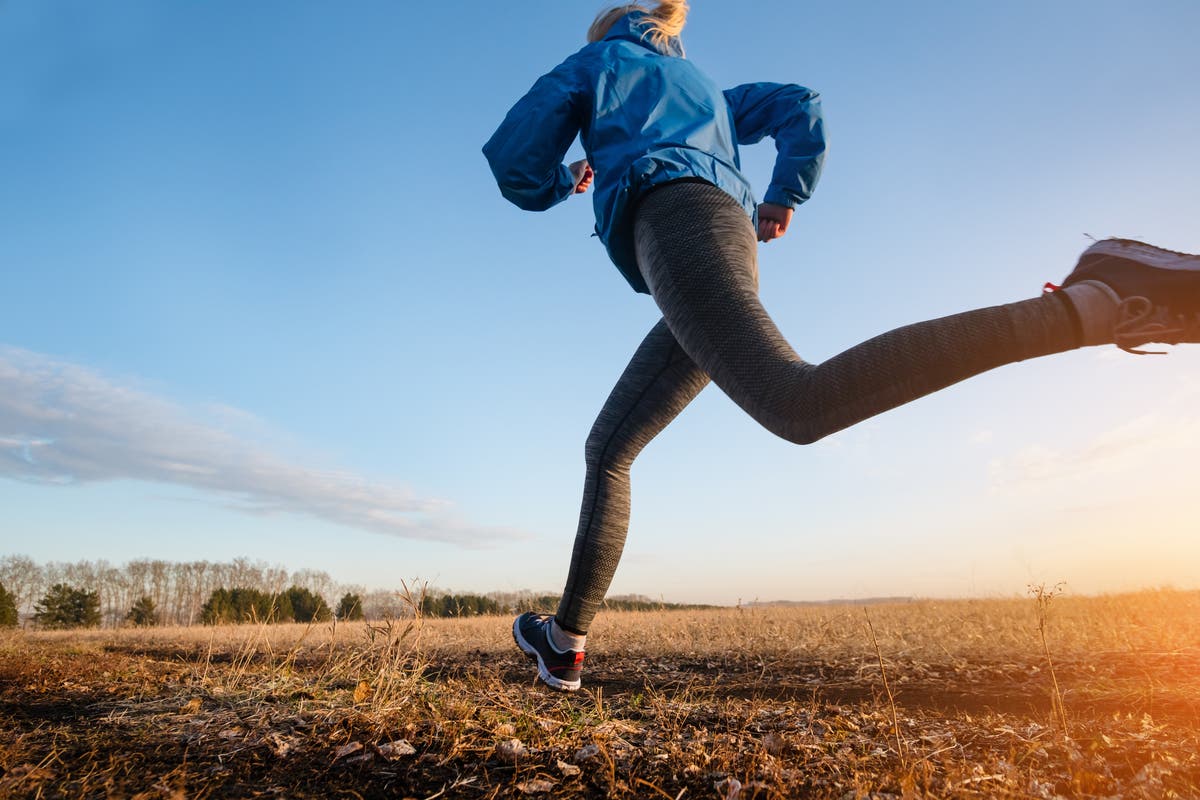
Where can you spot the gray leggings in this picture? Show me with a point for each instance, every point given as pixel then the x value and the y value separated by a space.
pixel 696 249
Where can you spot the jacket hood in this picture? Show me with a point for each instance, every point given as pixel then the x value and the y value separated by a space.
pixel 632 28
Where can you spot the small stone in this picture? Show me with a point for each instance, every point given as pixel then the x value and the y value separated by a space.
pixel 510 749
pixel 586 753
pixel 281 746
pixel 347 749
pixel 536 786
pixel 397 749
pixel 730 788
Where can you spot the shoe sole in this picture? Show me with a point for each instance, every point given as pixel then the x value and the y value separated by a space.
pixel 543 673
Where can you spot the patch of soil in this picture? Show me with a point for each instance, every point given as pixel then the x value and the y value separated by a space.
pixel 159 721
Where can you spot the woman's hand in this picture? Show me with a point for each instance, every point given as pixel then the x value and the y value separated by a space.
pixel 581 170
pixel 773 221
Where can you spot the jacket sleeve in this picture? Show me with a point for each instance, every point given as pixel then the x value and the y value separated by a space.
pixel 791 115
pixel 527 150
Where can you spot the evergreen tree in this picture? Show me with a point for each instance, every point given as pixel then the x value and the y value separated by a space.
pixel 67 607
pixel 279 608
pixel 218 608
pixel 458 605
pixel 247 605
pixel 433 606
pixel 143 613
pixel 239 604
pixel 350 607
pixel 8 609
pixel 274 608
pixel 307 606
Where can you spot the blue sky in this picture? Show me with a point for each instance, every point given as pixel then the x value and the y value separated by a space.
pixel 263 299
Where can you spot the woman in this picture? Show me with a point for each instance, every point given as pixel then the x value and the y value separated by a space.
pixel 680 222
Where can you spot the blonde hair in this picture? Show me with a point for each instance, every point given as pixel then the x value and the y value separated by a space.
pixel 663 22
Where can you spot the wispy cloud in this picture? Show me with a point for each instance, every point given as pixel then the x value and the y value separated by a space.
pixel 1149 441
pixel 61 423
pixel 982 437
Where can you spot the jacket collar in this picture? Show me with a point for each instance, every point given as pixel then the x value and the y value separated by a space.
pixel 631 28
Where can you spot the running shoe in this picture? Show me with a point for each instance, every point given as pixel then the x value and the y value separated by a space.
pixel 557 670
pixel 1158 291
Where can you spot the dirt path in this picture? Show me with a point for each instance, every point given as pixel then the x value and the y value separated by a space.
pixel 187 722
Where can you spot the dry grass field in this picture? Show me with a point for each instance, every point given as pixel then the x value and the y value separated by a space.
pixel 923 699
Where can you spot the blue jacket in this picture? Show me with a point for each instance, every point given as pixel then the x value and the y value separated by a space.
pixel 647 116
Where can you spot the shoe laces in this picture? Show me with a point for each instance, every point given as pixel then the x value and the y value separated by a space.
pixel 1140 321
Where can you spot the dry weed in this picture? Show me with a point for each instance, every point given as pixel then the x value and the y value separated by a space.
pixel 930 698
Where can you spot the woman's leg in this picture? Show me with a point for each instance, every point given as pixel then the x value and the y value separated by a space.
pixel 697 251
pixel 658 383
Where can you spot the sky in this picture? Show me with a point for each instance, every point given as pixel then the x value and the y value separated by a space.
pixel 263 299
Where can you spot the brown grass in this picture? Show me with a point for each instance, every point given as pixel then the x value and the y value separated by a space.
pixel 732 703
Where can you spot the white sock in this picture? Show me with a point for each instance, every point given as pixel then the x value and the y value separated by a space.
pixel 1096 305
pixel 562 641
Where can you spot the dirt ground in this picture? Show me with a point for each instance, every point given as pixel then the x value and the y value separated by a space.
pixel 910 700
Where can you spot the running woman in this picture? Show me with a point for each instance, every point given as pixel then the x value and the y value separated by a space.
pixel 680 221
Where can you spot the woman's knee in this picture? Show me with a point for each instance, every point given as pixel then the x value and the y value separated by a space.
pixel 797 427
pixel 805 435
pixel 605 451
pixel 790 430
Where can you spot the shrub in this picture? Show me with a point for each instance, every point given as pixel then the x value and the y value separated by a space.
pixel 350 607
pixel 67 607
pixel 245 605
pixel 143 613
pixel 458 605
pixel 307 606
pixel 8 609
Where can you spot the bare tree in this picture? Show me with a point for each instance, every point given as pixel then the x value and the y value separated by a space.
pixel 25 579
pixel 160 577
pixel 382 604
pixel 202 581
pixel 316 581
pixel 275 579
pixel 246 574
pixel 177 590
pixel 114 589
pixel 139 578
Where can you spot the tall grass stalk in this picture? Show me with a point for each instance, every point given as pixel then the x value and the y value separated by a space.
pixel 900 749
pixel 1042 598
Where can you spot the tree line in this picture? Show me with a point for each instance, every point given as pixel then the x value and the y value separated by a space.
pixel 177 591
pixel 156 592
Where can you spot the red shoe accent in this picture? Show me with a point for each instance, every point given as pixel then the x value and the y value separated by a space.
pixel 575 665
pixel 1050 287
